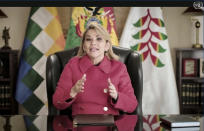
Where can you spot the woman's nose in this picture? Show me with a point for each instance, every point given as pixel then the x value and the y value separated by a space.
pixel 93 42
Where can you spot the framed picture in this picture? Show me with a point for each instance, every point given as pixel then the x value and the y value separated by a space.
pixel 189 66
pixel 201 67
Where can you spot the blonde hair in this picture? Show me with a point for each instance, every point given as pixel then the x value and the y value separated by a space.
pixel 105 35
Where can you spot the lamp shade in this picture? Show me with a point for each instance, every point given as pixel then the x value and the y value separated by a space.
pixel 2 14
pixel 194 12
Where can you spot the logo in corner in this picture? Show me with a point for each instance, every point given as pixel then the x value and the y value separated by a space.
pixel 198 4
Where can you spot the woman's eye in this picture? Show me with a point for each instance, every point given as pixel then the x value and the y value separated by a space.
pixel 99 39
pixel 88 39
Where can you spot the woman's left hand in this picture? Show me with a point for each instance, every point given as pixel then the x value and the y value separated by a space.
pixel 112 90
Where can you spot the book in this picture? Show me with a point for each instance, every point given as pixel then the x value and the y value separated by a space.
pixel 94 120
pixel 202 95
pixel 197 94
pixel 191 94
pixel 179 121
pixel 193 128
pixel 184 94
pixel 186 129
pixel 188 94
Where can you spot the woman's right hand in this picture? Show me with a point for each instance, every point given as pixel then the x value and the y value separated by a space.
pixel 78 87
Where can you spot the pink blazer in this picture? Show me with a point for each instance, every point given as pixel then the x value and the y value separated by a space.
pixel 95 99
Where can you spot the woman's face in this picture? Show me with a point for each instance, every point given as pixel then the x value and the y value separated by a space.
pixel 95 45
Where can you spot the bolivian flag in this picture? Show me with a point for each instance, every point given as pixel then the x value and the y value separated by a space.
pixel 81 16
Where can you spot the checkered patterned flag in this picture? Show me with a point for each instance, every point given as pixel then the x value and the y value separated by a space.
pixel 35 123
pixel 43 37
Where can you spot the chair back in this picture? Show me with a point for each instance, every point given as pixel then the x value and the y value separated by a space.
pixel 56 62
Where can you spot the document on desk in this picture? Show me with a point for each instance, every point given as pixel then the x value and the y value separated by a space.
pixel 94 120
pixel 179 121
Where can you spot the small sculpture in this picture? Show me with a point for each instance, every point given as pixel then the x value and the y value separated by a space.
pixel 6 37
pixel 197 44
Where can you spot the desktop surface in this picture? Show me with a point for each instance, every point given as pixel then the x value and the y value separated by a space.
pixel 65 123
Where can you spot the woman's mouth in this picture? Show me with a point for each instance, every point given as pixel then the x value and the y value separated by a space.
pixel 93 49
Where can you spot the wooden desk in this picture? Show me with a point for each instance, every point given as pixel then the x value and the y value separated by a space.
pixel 64 123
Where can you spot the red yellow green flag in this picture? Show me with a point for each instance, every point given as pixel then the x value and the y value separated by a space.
pixel 81 16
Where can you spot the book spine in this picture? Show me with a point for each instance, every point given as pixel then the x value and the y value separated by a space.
pixel 194 94
pixel 184 94
pixel 1 96
pixel 197 94
pixel 7 96
pixel 202 95
pixel 187 94
pixel 191 94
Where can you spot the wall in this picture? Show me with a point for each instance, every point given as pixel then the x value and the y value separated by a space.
pixel 180 30
pixel 17 21
pixel 178 26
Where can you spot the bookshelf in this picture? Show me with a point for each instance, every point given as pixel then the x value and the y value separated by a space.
pixel 8 71
pixel 190 79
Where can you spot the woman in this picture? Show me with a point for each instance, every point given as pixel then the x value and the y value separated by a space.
pixel 95 82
